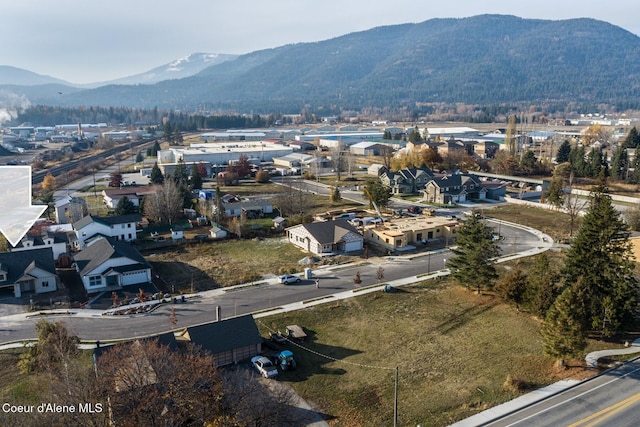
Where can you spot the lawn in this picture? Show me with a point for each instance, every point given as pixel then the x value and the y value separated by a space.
pixel 555 224
pixel 453 349
pixel 209 265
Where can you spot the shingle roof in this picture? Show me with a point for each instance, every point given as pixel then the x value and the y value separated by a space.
pixel 107 220
pixel 330 231
pixel 15 263
pixel 225 335
pixel 103 249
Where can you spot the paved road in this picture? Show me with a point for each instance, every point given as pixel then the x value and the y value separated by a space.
pixel 269 294
pixel 611 399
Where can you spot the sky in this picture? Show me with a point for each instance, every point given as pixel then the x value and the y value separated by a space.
pixel 86 41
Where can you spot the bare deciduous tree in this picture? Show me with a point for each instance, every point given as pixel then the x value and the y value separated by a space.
pixel 165 206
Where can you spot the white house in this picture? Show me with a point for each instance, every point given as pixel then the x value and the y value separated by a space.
pixel 70 209
pixel 112 196
pixel 120 227
pixel 111 264
pixel 326 238
pixel 217 232
pixel 57 241
pixel 31 271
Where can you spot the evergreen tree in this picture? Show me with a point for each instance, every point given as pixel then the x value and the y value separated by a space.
pixel 473 264
pixel 595 161
pixel 156 176
pixel 168 132
pixel 180 175
pixel 376 192
pixel 125 206
pixel 634 176
pixel 599 265
pixel 562 330
pixel 512 286
pixel 528 162
pixel 139 157
pixel 563 152
pixel 632 139
pixel 554 194
pixel 619 164
pixel 195 180
pixel 578 162
pixel 334 194
pixel 542 288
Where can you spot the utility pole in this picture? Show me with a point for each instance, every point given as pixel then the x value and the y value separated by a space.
pixel 395 400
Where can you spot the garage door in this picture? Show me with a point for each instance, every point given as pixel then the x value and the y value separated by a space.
pixel 135 277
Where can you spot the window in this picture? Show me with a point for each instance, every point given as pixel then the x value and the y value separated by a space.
pixel 95 281
pixel 45 284
pixel 3 277
pixel 129 225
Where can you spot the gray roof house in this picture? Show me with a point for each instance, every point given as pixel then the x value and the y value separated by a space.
pixel 120 227
pixel 406 181
pixel 229 341
pixel 454 189
pixel 31 271
pixel 111 264
pixel 326 238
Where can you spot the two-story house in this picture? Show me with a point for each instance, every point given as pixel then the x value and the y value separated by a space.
pixel 119 227
pixel 57 241
pixel 406 181
pixel 454 189
pixel 70 209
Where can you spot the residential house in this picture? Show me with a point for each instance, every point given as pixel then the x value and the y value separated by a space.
pixel 450 146
pixel 70 209
pixel 112 196
pixel 252 207
pixel 402 234
pixel 57 241
pixel 406 181
pixel 454 188
pixel 326 238
pixel 108 264
pixel 120 227
pixel 28 272
pixel 229 341
pixel 177 233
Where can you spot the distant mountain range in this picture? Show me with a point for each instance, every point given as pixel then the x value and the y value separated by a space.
pixel 486 59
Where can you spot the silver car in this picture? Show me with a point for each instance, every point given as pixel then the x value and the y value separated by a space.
pixel 264 366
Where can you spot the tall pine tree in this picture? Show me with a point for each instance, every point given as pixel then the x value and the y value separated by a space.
pixel 473 264
pixel 600 266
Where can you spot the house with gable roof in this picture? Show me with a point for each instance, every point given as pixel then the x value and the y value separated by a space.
pixel 326 238
pixel 407 180
pixel 70 209
pixel 119 227
pixel 108 264
pixel 57 241
pixel 454 188
pixel 31 271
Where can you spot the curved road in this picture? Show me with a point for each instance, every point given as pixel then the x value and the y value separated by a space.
pixel 250 299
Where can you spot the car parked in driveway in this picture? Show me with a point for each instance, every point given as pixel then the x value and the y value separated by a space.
pixel 264 366
pixel 286 279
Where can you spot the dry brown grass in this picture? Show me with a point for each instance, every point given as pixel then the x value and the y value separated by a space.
pixel 454 350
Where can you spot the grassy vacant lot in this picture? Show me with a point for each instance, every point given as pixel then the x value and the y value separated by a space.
pixel 454 351
pixel 217 264
pixel 555 224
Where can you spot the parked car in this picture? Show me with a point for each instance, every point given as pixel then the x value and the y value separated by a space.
pixel 264 366
pixel 288 278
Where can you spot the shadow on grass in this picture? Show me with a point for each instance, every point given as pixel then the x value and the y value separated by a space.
pixel 311 357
